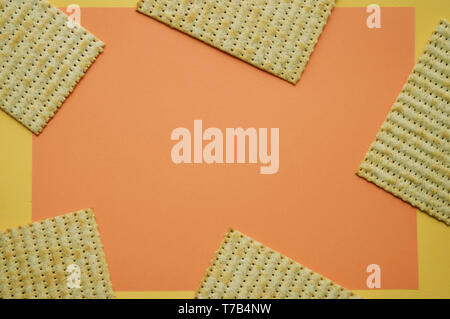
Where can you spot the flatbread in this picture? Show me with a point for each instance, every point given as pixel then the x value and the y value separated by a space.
pixel 410 157
pixel 41 60
pixel 276 36
pixel 244 268
pixel 60 257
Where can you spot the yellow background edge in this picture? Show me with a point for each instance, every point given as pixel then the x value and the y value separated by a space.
pixel 433 236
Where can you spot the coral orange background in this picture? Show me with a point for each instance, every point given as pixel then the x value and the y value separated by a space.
pixel 109 148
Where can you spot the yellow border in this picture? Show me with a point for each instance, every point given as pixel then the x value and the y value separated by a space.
pixel 433 236
pixel 15 173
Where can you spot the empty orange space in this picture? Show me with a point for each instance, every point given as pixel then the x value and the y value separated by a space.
pixel 109 148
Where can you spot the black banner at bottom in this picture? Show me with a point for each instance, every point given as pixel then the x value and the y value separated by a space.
pixel 198 309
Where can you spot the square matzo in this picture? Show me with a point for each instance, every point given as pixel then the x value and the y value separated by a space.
pixel 277 36
pixel 244 268
pixel 41 60
pixel 410 156
pixel 55 258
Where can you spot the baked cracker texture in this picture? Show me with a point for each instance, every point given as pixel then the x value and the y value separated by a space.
pixel 42 58
pixel 410 156
pixel 277 36
pixel 38 260
pixel 244 268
